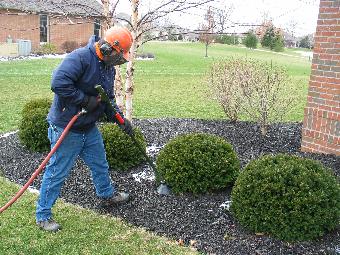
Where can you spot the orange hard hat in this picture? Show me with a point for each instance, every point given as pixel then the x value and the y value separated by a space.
pixel 120 39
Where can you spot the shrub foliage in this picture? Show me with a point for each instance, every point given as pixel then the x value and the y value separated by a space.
pixel 69 46
pixel 197 163
pixel 289 197
pixel 258 90
pixel 47 48
pixel 251 40
pixel 36 103
pixel 33 126
pixel 121 151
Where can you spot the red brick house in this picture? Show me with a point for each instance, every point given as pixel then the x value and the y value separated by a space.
pixel 50 21
pixel 321 126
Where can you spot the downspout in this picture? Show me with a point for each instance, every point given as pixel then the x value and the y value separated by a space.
pixel 48 29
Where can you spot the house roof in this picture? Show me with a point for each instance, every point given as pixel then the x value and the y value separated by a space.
pixel 65 7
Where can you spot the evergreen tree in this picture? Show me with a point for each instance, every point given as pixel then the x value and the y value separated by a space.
pixel 268 38
pixel 234 39
pixel 305 43
pixel 224 39
pixel 251 40
pixel 278 43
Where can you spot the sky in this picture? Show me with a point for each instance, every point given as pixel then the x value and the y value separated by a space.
pixel 298 16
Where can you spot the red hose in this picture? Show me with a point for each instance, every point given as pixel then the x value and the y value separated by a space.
pixel 43 164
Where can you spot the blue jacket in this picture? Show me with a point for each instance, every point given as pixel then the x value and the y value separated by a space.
pixel 76 76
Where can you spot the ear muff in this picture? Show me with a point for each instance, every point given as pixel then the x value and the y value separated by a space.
pixel 106 49
pixel 109 53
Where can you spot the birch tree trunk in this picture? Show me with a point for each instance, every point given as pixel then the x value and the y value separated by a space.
pixel 118 89
pixel 130 65
pixel 106 14
pixel 141 25
pixel 118 85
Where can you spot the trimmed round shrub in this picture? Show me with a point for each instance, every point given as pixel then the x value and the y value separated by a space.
pixel 288 197
pixel 33 126
pixel 121 151
pixel 197 163
pixel 33 104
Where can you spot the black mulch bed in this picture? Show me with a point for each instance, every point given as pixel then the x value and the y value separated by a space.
pixel 186 217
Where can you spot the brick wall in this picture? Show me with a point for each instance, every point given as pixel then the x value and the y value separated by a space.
pixel 71 29
pixel 20 25
pixel 321 126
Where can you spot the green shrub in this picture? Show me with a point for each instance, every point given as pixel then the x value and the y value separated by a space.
pixel 33 126
pixel 251 40
pixel 278 43
pixel 197 163
pixel 289 197
pixel 36 103
pixel 121 151
pixel 46 48
pixel 69 46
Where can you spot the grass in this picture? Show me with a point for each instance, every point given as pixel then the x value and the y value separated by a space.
pixel 170 86
pixel 84 231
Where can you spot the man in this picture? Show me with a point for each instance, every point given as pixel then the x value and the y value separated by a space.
pixel 73 83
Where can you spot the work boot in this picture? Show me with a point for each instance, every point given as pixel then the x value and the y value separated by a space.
pixel 49 225
pixel 118 198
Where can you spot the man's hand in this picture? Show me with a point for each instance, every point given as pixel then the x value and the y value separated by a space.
pixel 90 103
pixel 126 127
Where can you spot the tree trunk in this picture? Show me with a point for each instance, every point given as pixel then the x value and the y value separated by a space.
pixel 106 14
pixel 118 89
pixel 129 85
pixel 117 85
pixel 129 91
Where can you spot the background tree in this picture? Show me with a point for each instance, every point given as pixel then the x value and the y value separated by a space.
pixel 207 30
pixel 142 24
pixel 261 91
pixel 224 39
pixel 221 17
pixel 305 42
pixel 261 30
pixel 172 36
pixel 227 39
pixel 251 40
pixel 291 27
pixel 268 38
pixel 278 43
pixel 109 8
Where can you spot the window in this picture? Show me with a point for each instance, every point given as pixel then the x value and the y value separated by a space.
pixel 96 27
pixel 43 28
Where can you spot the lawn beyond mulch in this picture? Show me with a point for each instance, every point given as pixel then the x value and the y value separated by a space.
pixel 199 220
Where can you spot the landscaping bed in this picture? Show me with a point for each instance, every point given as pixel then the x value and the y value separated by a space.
pixel 200 221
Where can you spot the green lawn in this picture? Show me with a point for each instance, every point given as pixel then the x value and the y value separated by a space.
pixel 84 231
pixel 170 86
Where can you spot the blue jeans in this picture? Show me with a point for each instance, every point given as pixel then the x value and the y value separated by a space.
pixel 89 146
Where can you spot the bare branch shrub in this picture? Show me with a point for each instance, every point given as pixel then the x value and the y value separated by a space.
pixel 258 90
pixel 69 46
pixel 222 79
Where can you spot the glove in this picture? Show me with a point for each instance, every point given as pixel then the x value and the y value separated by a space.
pixel 126 127
pixel 90 103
